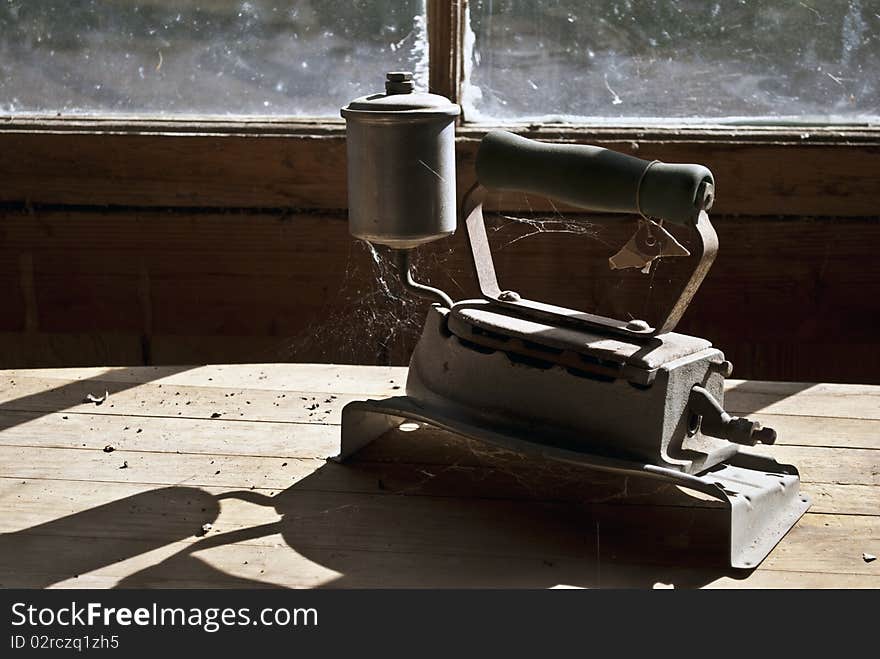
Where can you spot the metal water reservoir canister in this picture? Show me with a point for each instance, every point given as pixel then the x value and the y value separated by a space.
pixel 401 165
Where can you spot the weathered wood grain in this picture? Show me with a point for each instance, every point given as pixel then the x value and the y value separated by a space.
pixel 350 379
pixel 445 25
pixel 415 509
pixel 784 299
pixel 280 166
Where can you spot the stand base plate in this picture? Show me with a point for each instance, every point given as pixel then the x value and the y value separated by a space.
pixel 760 496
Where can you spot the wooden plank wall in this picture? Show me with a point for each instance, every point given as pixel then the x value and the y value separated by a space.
pixel 259 166
pixel 191 248
pixel 788 298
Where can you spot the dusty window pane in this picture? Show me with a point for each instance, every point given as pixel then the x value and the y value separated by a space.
pixel 185 57
pixel 692 60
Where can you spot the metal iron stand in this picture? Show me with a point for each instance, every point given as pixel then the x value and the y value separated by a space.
pixel 760 496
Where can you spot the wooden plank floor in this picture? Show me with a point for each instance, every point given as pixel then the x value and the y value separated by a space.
pixel 116 494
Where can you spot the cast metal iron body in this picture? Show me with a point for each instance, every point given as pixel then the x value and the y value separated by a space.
pixel 609 394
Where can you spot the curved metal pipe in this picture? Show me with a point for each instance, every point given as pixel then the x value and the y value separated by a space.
pixel 402 261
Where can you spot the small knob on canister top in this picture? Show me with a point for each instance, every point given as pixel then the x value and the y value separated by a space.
pixel 399 82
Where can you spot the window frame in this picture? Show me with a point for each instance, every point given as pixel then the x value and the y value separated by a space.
pixel 300 164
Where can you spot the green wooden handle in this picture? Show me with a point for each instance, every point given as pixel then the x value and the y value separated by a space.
pixel 594 178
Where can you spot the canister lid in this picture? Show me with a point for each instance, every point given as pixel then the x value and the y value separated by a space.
pixel 400 96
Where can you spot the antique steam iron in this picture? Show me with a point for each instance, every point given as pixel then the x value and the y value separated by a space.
pixel 615 395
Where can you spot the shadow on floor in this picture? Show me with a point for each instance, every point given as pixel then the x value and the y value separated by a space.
pixel 67 547
pixel 28 407
pixel 748 397
pixel 387 525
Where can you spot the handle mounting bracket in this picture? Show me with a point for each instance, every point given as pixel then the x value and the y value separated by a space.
pixel 705 248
